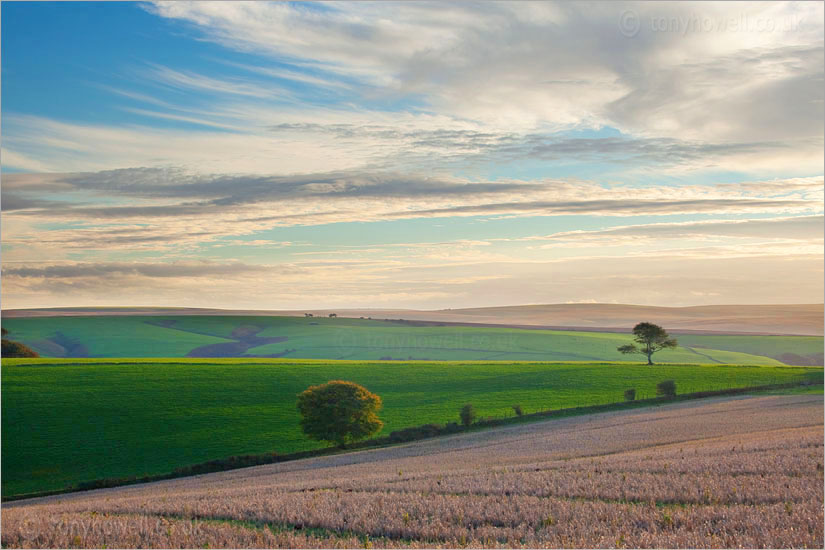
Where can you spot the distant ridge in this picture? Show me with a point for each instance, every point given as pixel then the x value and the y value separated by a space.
pixel 799 319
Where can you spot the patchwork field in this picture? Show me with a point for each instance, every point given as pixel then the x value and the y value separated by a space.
pixel 744 472
pixel 374 339
pixel 69 421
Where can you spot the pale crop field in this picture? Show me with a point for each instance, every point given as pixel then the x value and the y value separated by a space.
pixel 743 472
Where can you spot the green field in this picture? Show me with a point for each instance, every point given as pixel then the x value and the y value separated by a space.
pixel 788 349
pixel 373 339
pixel 67 421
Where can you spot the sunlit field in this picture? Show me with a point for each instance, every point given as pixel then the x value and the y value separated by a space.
pixel 371 339
pixel 66 421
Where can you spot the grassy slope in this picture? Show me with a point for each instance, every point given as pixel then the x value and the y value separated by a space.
pixel 324 338
pixel 769 346
pixel 107 336
pixel 66 421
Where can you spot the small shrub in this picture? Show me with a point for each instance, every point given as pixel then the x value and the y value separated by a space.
pixel 229 463
pixel 415 432
pixel 630 394
pixel 666 388
pixel 517 409
pixel 467 414
pixel 452 427
pixel 16 349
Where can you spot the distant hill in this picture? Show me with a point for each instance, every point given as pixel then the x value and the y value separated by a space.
pixel 799 319
pixel 803 319
pixel 379 339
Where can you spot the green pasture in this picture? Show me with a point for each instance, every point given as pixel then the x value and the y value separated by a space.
pixel 778 347
pixel 374 339
pixel 102 336
pixel 66 421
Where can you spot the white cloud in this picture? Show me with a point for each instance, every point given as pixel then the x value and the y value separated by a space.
pixel 154 209
pixel 489 82
pixel 471 85
pixel 800 228
pixel 190 80
pixel 701 76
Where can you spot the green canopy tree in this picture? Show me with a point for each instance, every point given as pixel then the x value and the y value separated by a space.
pixel 339 412
pixel 649 339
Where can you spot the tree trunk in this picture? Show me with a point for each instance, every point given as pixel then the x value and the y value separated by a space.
pixel 649 362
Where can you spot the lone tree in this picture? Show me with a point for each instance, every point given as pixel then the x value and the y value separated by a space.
pixel 339 412
pixel 650 339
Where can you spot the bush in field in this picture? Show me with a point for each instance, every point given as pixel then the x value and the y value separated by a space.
pixel 415 432
pixel 16 349
pixel 666 388
pixel 517 409
pixel 339 412
pixel 452 427
pixel 630 394
pixel 467 414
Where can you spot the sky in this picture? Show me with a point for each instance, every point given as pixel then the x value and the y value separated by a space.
pixel 411 155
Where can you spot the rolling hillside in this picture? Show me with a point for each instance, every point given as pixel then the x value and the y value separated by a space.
pixel 375 339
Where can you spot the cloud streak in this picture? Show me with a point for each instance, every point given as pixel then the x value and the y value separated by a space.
pixel 491 61
pixel 473 83
pixel 151 270
pixel 804 228
pixel 190 207
pixel 556 168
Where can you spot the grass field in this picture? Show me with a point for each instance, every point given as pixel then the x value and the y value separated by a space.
pixel 67 421
pixel 373 339
pixel 783 348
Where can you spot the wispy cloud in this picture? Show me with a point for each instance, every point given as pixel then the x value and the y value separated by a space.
pixel 490 83
pixel 804 228
pixel 190 80
pixel 491 61
pixel 675 164
pixel 98 270
pixel 354 196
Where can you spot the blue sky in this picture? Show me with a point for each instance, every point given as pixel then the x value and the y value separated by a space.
pixel 292 155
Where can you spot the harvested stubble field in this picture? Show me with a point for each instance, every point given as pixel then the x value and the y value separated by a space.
pixel 715 473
